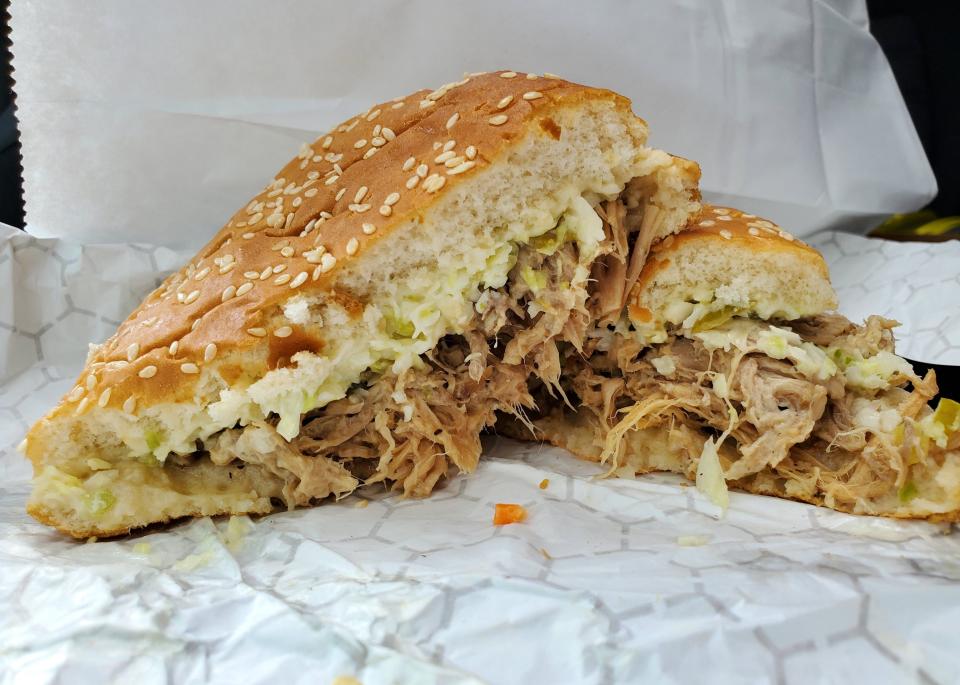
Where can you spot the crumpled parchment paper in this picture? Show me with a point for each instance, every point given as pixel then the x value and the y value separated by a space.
pixel 609 581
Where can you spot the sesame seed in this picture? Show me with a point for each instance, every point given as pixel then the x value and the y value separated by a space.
pixel 76 393
pixel 360 143
pixel 352 246
pixel 209 352
pixel 460 168
pixel 297 201
pixel 422 170
pixel 104 398
pixel 408 165
pixel 724 218
pixel 202 273
pixel 251 274
pixel 377 129
pixel 244 289
pixel 265 274
pixel 753 231
pixel 470 152
pixel 547 74
pixel 340 194
pixel 180 296
pixel 91 382
pixel 313 175
pixel 449 145
pixel 505 102
pixel 281 279
pixel 434 183
pixel 708 223
pixel 228 292
pixel 316 272
pixel 370 153
pixel 391 199
pixel 497 120
pixel 373 115
pixel 189 367
pixel 351 125
pixel 283 332
pixel 330 181
pixel 531 77
pixel 532 95
pixel 279 268
pixel 378 141
pixel 437 145
pixel 287 251
pixel 191 297
pixel 311 192
pixel 388 133
pixel 174 346
pixel 300 279
pixel 369 229
pixel 326 142
pixel 327 262
pixel 397 105
pixel 452 121
pixel 83 405
pixel 454 161
pixel 721 210
pixel 333 157
pixel 194 325
pixel 508 74
pixel 426 103
pixel 255 219
pixel 248 236
pixel 257 332
pixel 444 156
pixel 786 236
pixel 412 182
pixel 361 193
pixel 359 209
pixel 133 351
pixel 148 371
pixel 274 220
pixel 130 405
pixel 285 225
pixel 725 234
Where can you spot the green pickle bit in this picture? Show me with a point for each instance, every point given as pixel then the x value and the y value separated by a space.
pixel 907 492
pixel 99 502
pixel 714 319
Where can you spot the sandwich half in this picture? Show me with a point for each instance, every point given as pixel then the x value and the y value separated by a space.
pixel 385 297
pixel 729 365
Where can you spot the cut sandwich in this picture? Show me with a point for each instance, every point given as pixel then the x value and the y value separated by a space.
pixel 730 365
pixel 361 320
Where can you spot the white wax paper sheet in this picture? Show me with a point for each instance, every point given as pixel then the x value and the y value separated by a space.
pixel 146 121
pixel 609 581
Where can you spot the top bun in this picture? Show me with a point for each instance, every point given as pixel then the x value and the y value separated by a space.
pixel 729 263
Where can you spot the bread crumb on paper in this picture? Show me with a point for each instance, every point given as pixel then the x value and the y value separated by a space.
pixel 345 679
pixel 545 483
pixel 693 540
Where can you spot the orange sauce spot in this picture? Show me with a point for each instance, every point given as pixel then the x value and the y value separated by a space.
pixel 505 514
pixel 641 314
pixel 545 483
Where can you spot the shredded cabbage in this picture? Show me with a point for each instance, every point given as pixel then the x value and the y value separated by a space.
pixel 710 478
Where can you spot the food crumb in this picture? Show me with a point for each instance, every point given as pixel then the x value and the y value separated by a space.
pixel 693 540
pixel 91 540
pixel 545 483
pixel 545 553
pixel 346 679
pixel 504 514
pixel 141 548
pixel 362 504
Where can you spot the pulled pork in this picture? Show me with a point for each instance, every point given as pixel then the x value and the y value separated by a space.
pixel 787 426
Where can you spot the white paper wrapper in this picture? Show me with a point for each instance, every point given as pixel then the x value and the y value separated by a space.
pixel 153 122
pixel 609 581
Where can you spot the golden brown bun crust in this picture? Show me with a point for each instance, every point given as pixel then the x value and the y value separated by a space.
pixel 719 227
pixel 255 262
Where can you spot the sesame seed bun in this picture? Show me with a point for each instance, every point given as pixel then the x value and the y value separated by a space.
pixel 742 261
pixel 378 202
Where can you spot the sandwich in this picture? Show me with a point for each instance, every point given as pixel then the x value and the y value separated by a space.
pixel 408 278
pixel 729 365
